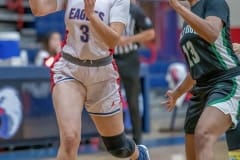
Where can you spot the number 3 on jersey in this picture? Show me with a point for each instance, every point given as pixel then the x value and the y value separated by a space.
pixel 85 33
pixel 192 55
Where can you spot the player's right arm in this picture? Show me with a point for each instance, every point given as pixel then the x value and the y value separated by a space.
pixel 209 28
pixel 184 87
pixel 45 7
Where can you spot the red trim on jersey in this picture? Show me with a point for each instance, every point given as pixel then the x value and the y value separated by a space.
pixel 118 80
pixel 111 53
pixel 56 59
pixel 64 42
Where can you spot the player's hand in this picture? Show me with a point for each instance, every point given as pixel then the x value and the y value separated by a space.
pixel 89 7
pixel 170 101
pixel 236 48
pixel 123 41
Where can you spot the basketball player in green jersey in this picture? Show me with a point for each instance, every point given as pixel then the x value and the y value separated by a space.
pixel 214 76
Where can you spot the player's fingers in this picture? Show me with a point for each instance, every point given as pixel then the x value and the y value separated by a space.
pixel 235 46
pixel 169 104
pixel 168 93
pixel 235 49
pixel 165 103
pixel 170 107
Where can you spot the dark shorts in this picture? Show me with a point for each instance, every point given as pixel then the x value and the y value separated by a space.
pixel 128 64
pixel 233 138
pixel 223 94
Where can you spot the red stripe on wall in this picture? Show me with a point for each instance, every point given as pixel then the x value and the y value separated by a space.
pixel 235 34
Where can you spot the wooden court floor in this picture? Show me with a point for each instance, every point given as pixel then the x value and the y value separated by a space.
pixel 160 119
pixel 161 153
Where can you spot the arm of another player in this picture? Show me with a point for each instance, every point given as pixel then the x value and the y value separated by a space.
pixel 142 37
pixel 109 34
pixel 143 25
pixel 208 28
pixel 236 48
pixel 172 96
pixel 44 7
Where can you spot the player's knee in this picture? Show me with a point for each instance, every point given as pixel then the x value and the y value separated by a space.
pixel 203 138
pixel 70 141
pixel 119 146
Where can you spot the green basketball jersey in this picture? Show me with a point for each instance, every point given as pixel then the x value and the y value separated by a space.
pixel 206 58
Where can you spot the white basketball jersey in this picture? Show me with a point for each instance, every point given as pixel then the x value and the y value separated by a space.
pixel 81 39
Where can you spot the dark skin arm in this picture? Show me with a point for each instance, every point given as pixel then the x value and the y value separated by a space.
pixel 184 87
pixel 209 28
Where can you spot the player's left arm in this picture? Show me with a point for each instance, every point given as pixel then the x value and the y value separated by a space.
pixel 210 27
pixel 142 37
pixel 109 34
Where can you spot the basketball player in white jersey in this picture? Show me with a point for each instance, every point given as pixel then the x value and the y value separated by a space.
pixel 85 75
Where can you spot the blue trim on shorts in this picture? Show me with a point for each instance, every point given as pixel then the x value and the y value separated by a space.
pixel 68 78
pixel 105 113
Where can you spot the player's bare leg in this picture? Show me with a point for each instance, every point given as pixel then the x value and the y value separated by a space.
pixel 68 114
pixel 189 149
pixel 211 125
pixel 114 127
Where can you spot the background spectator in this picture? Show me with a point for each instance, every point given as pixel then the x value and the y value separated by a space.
pixel 51 46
